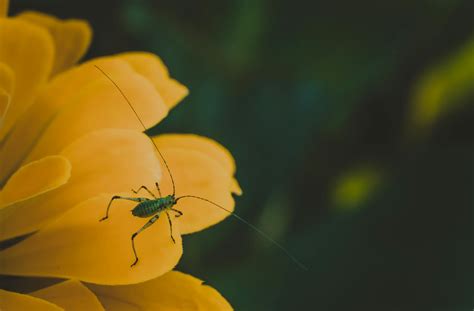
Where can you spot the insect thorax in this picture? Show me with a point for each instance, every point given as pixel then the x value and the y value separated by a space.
pixel 152 207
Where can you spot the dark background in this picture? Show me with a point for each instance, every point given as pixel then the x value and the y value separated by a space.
pixel 316 101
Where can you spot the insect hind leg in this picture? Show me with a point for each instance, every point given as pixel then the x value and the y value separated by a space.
pixel 117 197
pixel 148 224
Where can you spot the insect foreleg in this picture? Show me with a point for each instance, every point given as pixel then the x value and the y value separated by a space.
pixel 116 197
pixel 171 227
pixel 149 223
pixel 180 213
pixel 148 190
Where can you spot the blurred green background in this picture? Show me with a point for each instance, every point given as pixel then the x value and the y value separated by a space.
pixel 352 126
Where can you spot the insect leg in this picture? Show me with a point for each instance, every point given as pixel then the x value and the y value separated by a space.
pixel 158 188
pixel 180 213
pixel 116 197
pixel 144 187
pixel 149 223
pixel 171 227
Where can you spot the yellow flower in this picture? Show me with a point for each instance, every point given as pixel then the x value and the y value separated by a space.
pixel 68 142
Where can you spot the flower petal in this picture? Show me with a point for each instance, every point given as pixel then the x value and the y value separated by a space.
pixel 84 96
pixel 7 78
pixel 152 67
pixel 29 51
pixel 71 37
pixel 100 105
pixel 70 295
pixel 172 291
pixel 3 8
pixel 16 301
pixel 36 178
pixel 4 104
pixel 77 245
pixel 201 144
pixel 198 173
pixel 32 183
pixel 105 161
pixel 205 145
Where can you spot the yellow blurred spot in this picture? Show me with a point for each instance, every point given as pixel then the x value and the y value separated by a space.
pixel 442 88
pixel 355 187
pixel 276 215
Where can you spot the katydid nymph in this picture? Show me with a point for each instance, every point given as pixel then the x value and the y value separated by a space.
pixel 153 208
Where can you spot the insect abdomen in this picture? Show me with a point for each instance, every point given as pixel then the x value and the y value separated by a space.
pixel 146 209
pixel 151 207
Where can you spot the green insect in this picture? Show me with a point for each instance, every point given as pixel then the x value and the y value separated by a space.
pixel 165 204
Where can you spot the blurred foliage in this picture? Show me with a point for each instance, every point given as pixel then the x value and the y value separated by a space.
pixel 302 93
pixel 355 187
pixel 443 87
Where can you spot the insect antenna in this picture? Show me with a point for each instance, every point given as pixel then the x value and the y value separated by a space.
pixel 262 233
pixel 143 125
